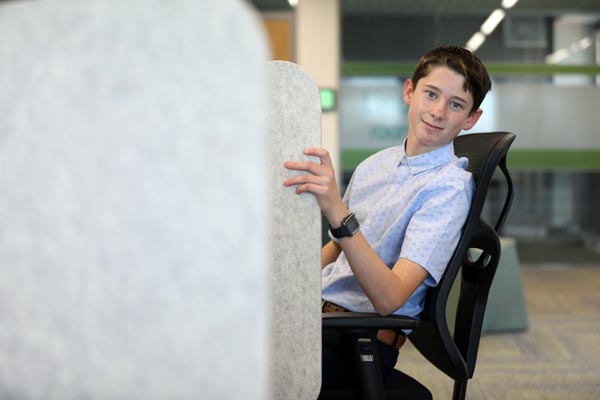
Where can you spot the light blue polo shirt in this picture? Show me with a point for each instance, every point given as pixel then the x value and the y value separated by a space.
pixel 409 207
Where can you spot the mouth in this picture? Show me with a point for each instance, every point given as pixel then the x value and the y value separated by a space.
pixel 431 126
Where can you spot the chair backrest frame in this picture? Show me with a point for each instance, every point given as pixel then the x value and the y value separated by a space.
pixel 456 355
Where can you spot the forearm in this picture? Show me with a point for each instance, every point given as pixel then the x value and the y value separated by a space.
pixel 329 253
pixel 388 289
pixel 378 282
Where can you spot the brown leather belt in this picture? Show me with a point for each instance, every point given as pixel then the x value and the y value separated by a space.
pixel 386 336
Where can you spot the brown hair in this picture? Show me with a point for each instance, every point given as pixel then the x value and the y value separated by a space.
pixel 461 61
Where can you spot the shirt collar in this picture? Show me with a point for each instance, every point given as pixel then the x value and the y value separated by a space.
pixel 426 161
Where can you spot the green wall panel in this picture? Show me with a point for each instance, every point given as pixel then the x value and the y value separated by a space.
pixel 517 158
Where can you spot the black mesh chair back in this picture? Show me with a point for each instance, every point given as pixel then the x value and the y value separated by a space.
pixel 456 354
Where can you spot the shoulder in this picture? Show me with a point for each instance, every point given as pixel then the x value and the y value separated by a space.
pixel 382 156
pixel 453 178
pixel 455 170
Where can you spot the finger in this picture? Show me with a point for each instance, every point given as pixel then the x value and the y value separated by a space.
pixel 310 188
pixel 307 166
pixel 323 155
pixel 303 179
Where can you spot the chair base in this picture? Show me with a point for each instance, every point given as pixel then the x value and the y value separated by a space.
pixel 399 386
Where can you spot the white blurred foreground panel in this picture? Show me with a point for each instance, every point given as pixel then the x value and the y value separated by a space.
pixel 133 200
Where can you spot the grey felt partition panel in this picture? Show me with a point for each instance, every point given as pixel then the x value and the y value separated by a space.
pixel 133 200
pixel 295 124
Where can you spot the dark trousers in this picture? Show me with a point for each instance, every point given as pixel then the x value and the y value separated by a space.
pixel 338 366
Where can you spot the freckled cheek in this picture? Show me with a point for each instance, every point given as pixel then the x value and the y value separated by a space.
pixel 416 114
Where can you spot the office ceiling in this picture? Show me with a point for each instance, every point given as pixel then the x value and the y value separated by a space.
pixel 447 7
pixel 400 30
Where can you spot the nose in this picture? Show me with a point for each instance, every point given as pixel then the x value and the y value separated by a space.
pixel 438 110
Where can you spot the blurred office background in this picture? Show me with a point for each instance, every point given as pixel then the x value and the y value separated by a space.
pixel 540 334
pixel 544 58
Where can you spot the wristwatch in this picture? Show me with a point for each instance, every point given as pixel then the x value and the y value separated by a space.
pixel 348 228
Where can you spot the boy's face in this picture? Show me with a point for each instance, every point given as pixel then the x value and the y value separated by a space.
pixel 438 110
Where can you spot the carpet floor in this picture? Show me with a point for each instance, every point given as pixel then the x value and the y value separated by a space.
pixel 557 358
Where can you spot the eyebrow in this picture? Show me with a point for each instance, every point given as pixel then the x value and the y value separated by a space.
pixel 461 99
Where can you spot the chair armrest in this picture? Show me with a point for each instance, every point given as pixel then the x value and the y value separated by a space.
pixel 354 320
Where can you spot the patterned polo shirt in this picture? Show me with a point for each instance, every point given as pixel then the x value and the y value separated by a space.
pixel 408 207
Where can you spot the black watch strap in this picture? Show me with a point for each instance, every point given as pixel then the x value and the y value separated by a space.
pixel 348 228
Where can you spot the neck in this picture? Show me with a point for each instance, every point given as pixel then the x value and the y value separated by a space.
pixel 416 149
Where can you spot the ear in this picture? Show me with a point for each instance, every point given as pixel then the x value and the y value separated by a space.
pixel 408 91
pixel 472 119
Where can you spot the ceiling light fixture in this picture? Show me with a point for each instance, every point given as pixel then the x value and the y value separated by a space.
pixel 509 3
pixel 489 25
pixel 293 3
pixel 557 56
pixel 492 21
pixel 585 42
pixel 566 52
pixel 476 41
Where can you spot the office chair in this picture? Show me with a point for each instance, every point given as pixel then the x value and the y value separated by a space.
pixel 455 355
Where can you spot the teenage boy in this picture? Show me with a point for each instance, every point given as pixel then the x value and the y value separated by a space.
pixel 401 216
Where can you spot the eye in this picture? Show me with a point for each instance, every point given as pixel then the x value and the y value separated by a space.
pixel 430 94
pixel 456 105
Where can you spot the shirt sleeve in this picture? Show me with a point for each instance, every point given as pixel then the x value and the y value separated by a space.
pixel 435 229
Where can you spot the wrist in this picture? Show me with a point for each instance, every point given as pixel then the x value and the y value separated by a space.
pixel 336 216
pixel 348 227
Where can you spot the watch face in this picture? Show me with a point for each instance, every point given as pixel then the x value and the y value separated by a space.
pixel 348 228
pixel 351 225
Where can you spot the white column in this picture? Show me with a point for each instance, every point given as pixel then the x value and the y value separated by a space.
pixel 318 51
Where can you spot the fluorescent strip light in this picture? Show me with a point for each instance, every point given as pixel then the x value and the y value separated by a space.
pixel 509 3
pixel 558 56
pixel 564 53
pixel 585 42
pixel 574 47
pixel 476 41
pixel 492 21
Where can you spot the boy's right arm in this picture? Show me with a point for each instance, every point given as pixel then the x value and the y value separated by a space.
pixel 330 253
